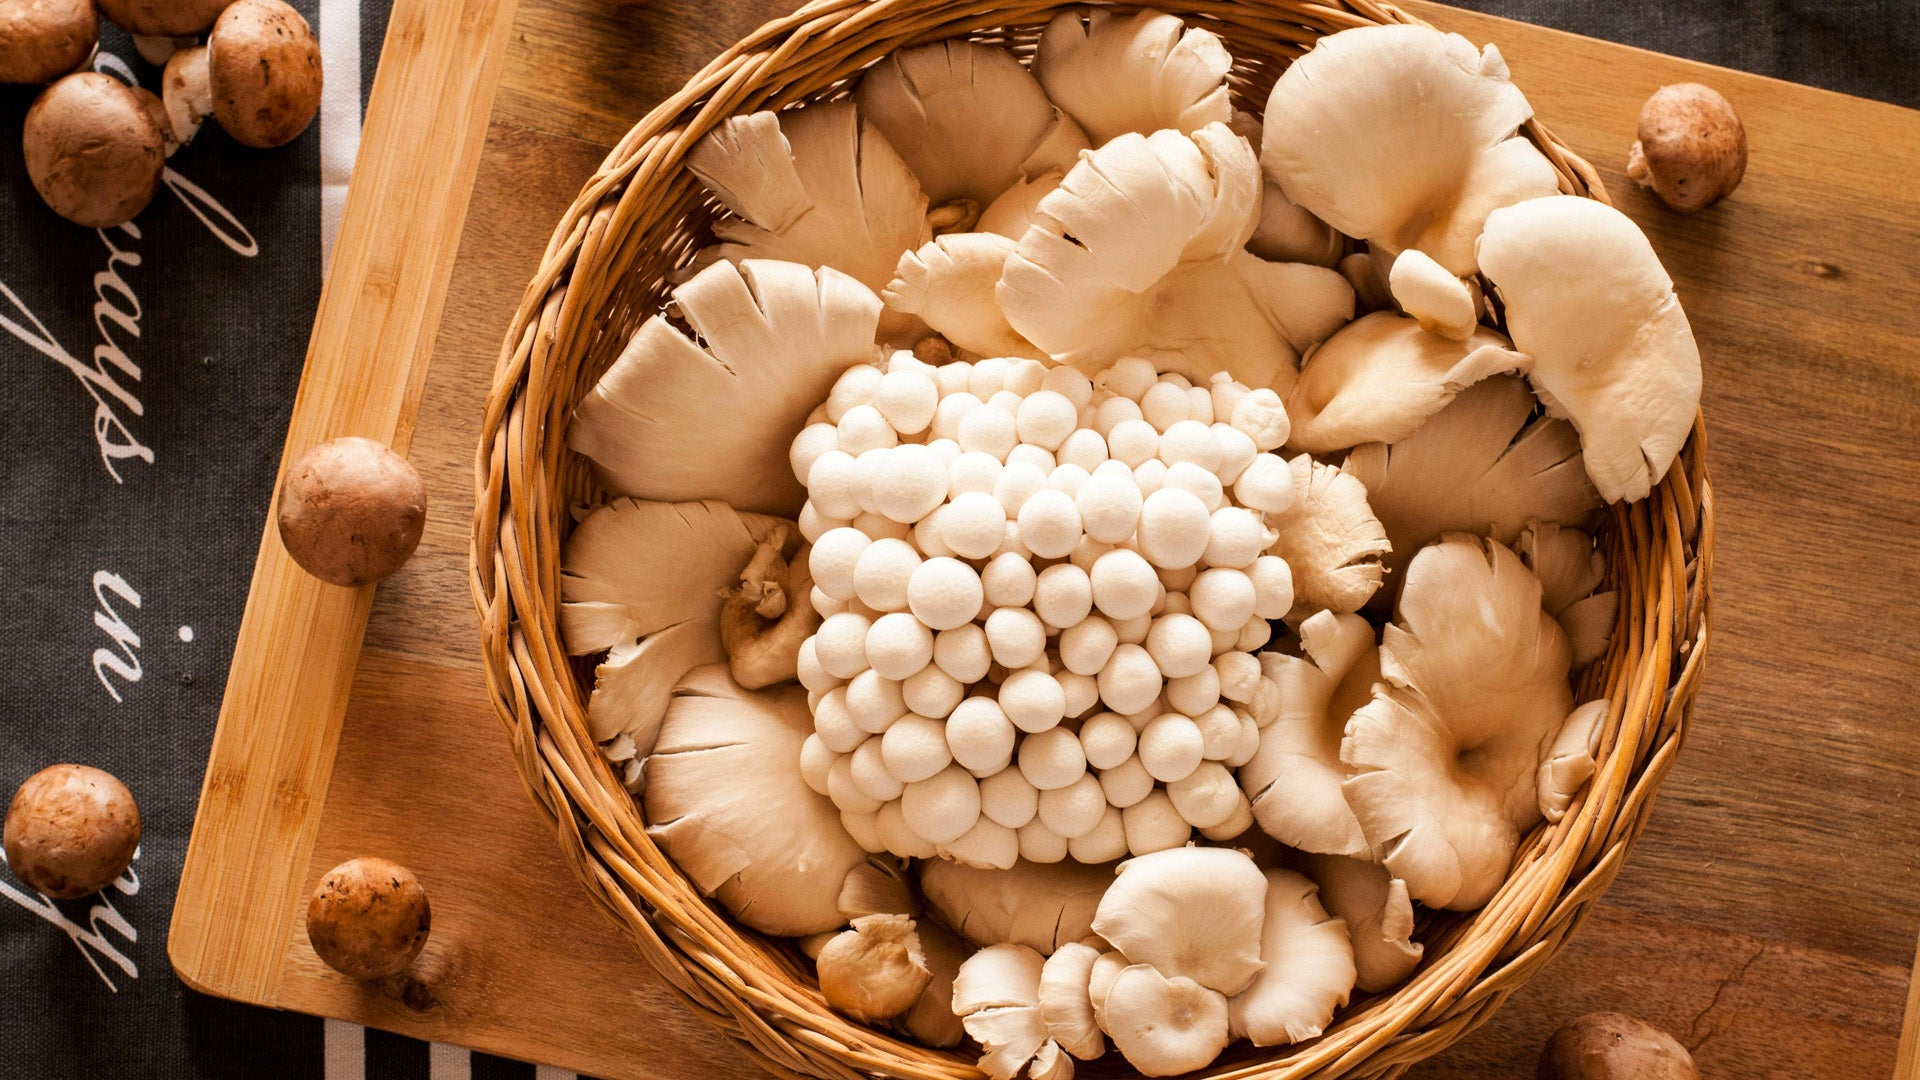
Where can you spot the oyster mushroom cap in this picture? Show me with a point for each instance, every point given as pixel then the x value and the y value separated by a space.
pixel 1309 972
pixel 1066 1002
pixel 1330 539
pixel 816 186
pixel 1164 1025
pixel 1484 464
pixel 997 997
pixel 1192 912
pixel 1009 1037
pixel 1378 914
pixel 1293 780
pixel 949 282
pixel 723 763
pixel 1473 691
pixel 1139 252
pixel 1587 298
pixel 1040 905
pixel 1106 969
pixel 1013 212
pixel 768 340
pixel 1570 568
pixel 931 1020
pixel 1439 149
pixel 1138 73
pixel 1378 378
pixel 768 613
pixel 968 119
pixel 874 971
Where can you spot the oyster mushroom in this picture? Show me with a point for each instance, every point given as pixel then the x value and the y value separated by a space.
pixel 611 599
pixel 1140 252
pixel 874 971
pixel 997 997
pixel 1141 73
pixel 770 339
pixel 39 42
pixel 1428 292
pixel 768 613
pixel 1378 914
pixel 816 186
pixel 1473 690
pixel 1293 780
pixel 1587 298
pixel 1484 464
pixel 1309 972
pixel 931 1020
pixel 1192 912
pixel 1378 378
pixel 1570 569
pixel 723 767
pixel 1040 905
pixel 969 121
pixel 1165 1025
pixel 1405 137
pixel 1330 539
pixel 949 281
pixel 1066 1003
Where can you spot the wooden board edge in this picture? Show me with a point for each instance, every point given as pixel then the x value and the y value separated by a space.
pixel 299 641
pixel 1906 1061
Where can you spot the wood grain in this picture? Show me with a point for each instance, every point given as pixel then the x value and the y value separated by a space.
pixel 244 878
pixel 1765 916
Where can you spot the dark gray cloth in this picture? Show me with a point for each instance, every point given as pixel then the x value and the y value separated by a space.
pixel 149 372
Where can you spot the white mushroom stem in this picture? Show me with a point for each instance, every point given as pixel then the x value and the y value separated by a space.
pixel 1442 303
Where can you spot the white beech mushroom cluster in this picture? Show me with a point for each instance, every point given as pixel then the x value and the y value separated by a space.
pixel 1181 522
pixel 1041 596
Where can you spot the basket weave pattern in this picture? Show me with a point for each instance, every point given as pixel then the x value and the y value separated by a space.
pixel 605 271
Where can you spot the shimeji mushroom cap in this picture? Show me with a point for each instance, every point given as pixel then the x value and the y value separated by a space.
pixel 722 769
pixel 968 120
pixel 1330 539
pixel 1473 689
pixel 1040 905
pixel 1380 377
pixel 1570 568
pixel 1140 253
pixel 816 186
pixel 1138 73
pixel 1378 914
pixel 1309 970
pixel 1484 463
pixel 1066 1003
pixel 1193 912
pixel 1587 298
pixel 949 281
pixel 1162 1025
pixel 1293 780
pixel 1403 136
pixel 769 339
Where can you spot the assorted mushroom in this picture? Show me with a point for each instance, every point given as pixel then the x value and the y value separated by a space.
pixel 1153 543
pixel 95 147
pixel 71 830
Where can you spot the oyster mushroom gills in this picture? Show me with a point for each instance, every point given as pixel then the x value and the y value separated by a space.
pixel 1150 545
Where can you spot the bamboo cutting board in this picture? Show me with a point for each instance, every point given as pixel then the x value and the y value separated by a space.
pixel 1767 915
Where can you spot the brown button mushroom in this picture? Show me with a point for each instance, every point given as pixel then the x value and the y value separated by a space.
pixel 93 152
pixel 41 40
pixel 1614 1046
pixel 71 830
pixel 1692 150
pixel 351 511
pixel 265 67
pixel 368 918
pixel 163 18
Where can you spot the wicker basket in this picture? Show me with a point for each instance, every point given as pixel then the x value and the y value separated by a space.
pixel 641 216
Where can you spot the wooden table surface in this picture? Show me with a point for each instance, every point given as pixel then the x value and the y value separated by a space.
pixel 1767 917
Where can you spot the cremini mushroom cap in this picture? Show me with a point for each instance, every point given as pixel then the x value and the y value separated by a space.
pixel 43 40
pixel 263 64
pixel 1692 149
pixel 1193 912
pixel 92 150
pixel 1403 136
pixel 1380 377
pixel 1587 298
pixel 163 18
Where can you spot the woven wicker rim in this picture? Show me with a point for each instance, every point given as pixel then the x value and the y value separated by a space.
pixel 604 271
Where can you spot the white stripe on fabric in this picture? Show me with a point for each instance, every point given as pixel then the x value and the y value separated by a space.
pixel 339 114
pixel 449 1063
pixel 548 1072
pixel 346 1050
